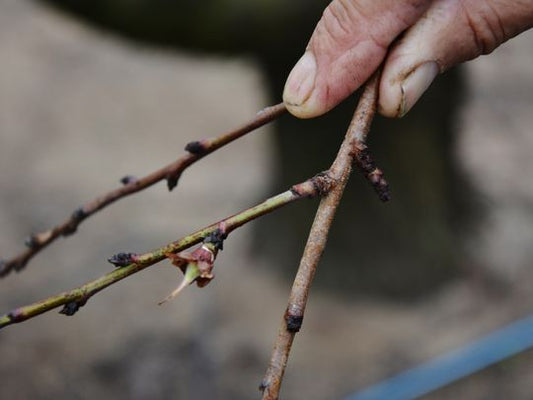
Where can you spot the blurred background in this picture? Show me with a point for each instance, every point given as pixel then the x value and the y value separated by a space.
pixel 93 91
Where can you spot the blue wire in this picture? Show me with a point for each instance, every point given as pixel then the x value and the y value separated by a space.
pixel 441 371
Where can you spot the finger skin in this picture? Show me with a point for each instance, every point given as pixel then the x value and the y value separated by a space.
pixel 450 32
pixel 349 42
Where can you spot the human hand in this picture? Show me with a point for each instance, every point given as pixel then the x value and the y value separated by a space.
pixel 353 37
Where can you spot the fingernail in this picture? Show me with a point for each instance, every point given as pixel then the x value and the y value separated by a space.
pixel 415 84
pixel 301 81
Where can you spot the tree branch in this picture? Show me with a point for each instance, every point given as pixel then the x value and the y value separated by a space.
pixel 350 152
pixel 330 184
pixel 196 150
pixel 131 263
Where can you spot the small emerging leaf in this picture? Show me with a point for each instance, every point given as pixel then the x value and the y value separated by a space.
pixel 197 266
pixel 192 272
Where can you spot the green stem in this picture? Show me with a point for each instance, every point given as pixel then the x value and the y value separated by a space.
pixel 319 184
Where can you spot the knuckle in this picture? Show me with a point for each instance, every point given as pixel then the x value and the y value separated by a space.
pixel 486 27
pixel 340 19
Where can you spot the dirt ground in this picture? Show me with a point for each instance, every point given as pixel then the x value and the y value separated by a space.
pixel 80 109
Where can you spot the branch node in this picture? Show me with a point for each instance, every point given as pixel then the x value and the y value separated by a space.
pixel 318 185
pixel 196 147
pixel 299 190
pixel 323 183
pixel 122 259
pixel 126 180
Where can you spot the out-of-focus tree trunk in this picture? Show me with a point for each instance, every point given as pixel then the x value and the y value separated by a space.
pixel 402 249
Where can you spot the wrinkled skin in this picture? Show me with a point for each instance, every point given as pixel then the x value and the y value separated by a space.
pixel 353 37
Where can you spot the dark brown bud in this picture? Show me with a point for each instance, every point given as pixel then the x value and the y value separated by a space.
pixel 172 181
pixel 71 308
pixel 126 180
pixel 217 238
pixel 195 148
pixel 318 185
pixel 367 166
pixel 31 242
pixel 77 216
pixel 294 322
pixel 122 259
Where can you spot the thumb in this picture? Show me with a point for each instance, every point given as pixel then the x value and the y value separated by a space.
pixel 451 32
pixel 348 44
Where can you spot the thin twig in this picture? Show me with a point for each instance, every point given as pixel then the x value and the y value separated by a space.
pixel 195 151
pixel 132 263
pixel 340 172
